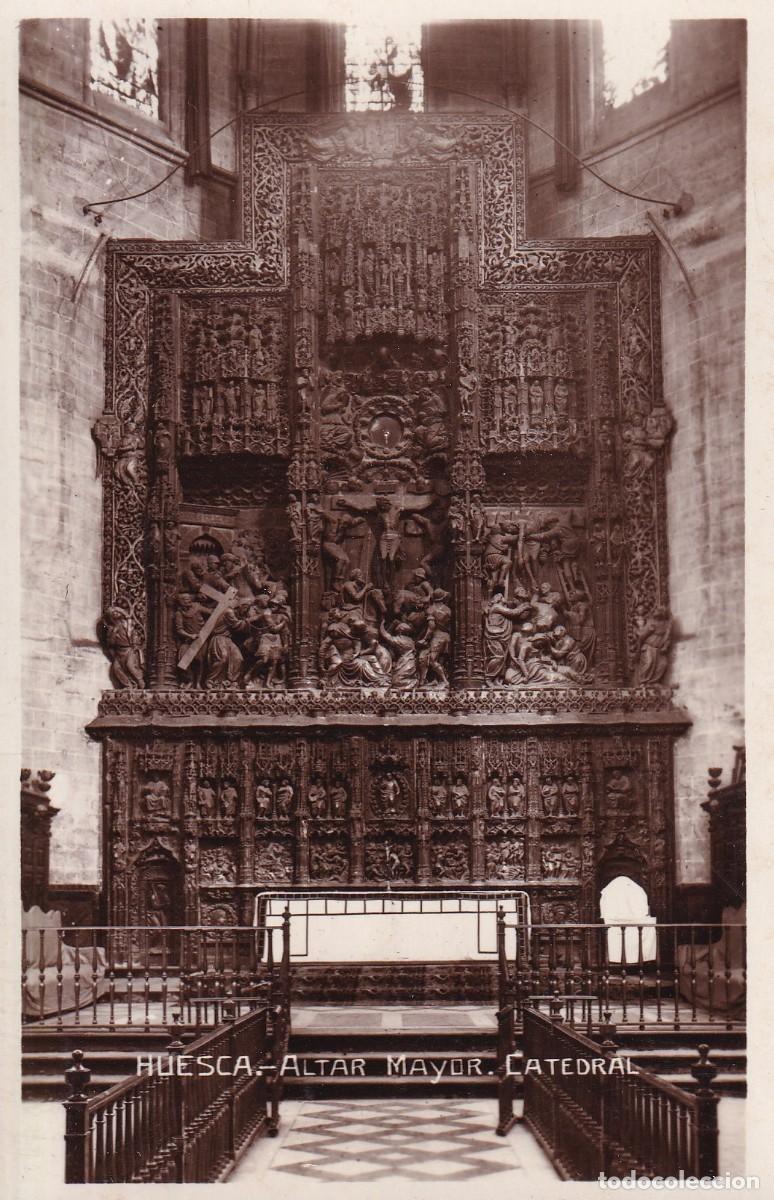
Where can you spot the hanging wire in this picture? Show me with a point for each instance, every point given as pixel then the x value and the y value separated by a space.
pixel 89 208
pixel 675 205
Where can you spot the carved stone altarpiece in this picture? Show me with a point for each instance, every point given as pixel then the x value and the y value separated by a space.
pixel 384 459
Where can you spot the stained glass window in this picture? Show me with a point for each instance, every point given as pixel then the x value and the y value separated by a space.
pixel 383 68
pixel 124 62
pixel 635 56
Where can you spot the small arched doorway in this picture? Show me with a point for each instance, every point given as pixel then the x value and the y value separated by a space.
pixel 624 906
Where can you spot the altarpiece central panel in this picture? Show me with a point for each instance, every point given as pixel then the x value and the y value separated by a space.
pixel 385 562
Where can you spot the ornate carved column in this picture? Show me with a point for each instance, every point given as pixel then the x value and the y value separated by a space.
pixel 304 470
pixel 191 837
pixel 246 826
pixel 533 864
pixel 162 527
pixel 356 812
pixel 422 777
pixel 302 814
pixel 467 474
pixel 477 811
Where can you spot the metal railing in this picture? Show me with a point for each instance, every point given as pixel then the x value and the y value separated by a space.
pixel 595 1112
pixel 111 977
pixel 677 975
pixel 480 904
pixel 186 1119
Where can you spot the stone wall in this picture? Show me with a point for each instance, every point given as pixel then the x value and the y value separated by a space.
pixel 686 136
pixel 77 147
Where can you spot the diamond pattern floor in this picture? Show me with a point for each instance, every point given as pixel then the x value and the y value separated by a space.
pixel 413 1141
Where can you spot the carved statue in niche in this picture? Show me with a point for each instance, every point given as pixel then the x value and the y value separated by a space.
pixel 154 796
pixel 495 794
pixel 654 641
pixel 120 645
pixel 229 799
pixel 569 803
pixel 285 798
pixel 439 797
pixel 158 903
pixel 549 795
pixel 263 798
pixel 460 797
pixel 337 795
pixel 389 796
pixel 515 797
pixel 317 798
pixel 620 792
pixel 206 798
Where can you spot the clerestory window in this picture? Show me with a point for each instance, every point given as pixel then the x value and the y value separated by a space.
pixel 124 61
pixel 635 56
pixel 383 68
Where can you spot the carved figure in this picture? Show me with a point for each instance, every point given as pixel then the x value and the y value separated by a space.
pixel 570 797
pixel 206 798
pixel 460 796
pixel 155 798
pixel 389 794
pixel 654 640
pixel 620 793
pixel 549 794
pixel 496 796
pixel 439 798
pixel 515 797
pixel 229 798
pixel 434 646
pixel 498 553
pixel 499 618
pixel 188 622
pixel 402 643
pixel 263 799
pixel 285 797
pixel 318 798
pixel 120 646
pixel 337 795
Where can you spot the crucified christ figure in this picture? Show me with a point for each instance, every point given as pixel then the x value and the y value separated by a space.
pixel 389 511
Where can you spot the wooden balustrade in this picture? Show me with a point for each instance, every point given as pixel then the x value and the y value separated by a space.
pixel 117 976
pixel 189 1116
pixel 676 975
pixel 595 1112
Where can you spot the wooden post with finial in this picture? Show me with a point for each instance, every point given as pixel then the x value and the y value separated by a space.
pixel 77 1131
pixel 706 1131
pixel 178 1100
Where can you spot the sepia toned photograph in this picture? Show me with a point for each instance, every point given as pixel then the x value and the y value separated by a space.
pixel 382 444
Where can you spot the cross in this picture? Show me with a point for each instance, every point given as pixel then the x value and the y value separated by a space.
pixel 225 600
